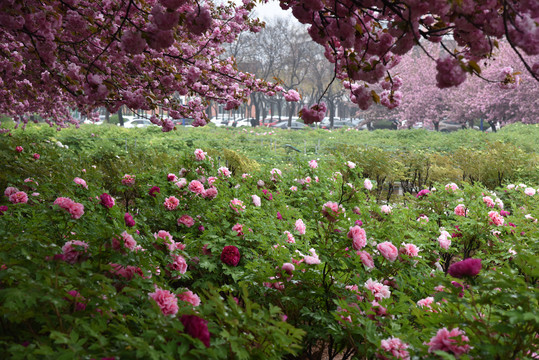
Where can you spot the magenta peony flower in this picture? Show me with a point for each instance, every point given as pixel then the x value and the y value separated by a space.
pixel 197 328
pixel 36 156
pixel 230 255
pixel 154 190
pixel 3 209
pixel 107 200
pixel 422 193
pixel 76 210
pixel 167 301
pixel 178 264
pixel 74 251
pixel 76 297
pixel 19 149
pixel 460 210
pixel 388 250
pixel 468 267
pixel 128 180
pixel 129 222
pixel 453 342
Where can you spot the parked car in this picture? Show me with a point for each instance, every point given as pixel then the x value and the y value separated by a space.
pixel 183 122
pixel 221 121
pixel 137 123
pixel 296 125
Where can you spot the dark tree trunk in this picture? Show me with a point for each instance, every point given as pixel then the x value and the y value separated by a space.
pixel 436 125
pixel 120 117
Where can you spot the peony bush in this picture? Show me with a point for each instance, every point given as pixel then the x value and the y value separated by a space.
pixel 290 261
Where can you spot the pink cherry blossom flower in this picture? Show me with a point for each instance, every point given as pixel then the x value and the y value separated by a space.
pixel 291 95
pixel 388 250
pixel 167 301
pixel 171 203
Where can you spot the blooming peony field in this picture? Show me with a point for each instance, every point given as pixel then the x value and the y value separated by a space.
pixel 191 260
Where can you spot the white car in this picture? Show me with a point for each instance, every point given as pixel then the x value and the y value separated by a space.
pixel 137 123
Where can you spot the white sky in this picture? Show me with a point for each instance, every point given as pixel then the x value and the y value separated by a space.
pixel 271 10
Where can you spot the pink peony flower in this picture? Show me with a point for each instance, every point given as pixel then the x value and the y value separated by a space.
pixel 488 201
pixel 154 191
pixel 495 218
pixel 224 172
pixel 107 200
pixel 238 228
pixel 80 182
pixel 20 197
pixel 237 205
pixel 230 255
pixel 200 155
pixel 78 299
pixel 426 302
pixel 379 290
pixel 366 259
pixel 19 149
pixel 196 187
pixel 452 187
pixel 288 268
pixel 444 240
pixel 167 301
pixel 212 179
pixel 181 183
pixel 10 190
pixel 128 180
pixel 197 328
pixel 171 203
pixel 331 210
pixel 178 264
pixel 351 165
pixel 172 177
pixel 409 249
pixel 186 220
pixel 129 241
pixel 388 250
pixel 386 209
pixel 529 191
pixel 76 210
pixel 190 297
pixel 129 222
pixel 313 164
pixel 453 342
pixel 358 236
pixel 36 156
pixel 460 210
pixel 367 184
pixel 312 259
pixel 289 237
pixel 396 347
pixel 210 193
pixel 74 251
pixel 256 200
pixel 467 267
pixel 300 227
